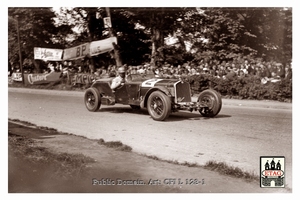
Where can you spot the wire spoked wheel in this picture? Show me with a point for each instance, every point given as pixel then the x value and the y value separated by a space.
pixel 92 99
pixel 159 106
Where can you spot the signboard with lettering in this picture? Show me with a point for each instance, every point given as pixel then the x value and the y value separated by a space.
pixel 48 54
pixel 107 22
pixel 77 52
pixel 83 78
pixel 35 79
pixel 102 46
pixel 93 48
pixel 16 76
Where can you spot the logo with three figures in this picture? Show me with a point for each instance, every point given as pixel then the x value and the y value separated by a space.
pixel 272 171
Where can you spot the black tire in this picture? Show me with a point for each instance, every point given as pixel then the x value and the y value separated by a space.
pixel 135 107
pixel 159 106
pixel 92 99
pixel 214 101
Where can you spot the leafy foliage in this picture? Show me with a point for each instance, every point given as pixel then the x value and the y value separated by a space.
pixel 202 33
pixel 243 88
pixel 227 33
pixel 36 28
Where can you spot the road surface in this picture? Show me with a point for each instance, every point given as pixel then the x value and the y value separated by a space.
pixel 239 135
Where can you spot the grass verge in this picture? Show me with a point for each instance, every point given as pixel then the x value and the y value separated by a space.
pixel 74 163
pixel 225 169
pixel 219 167
pixel 116 145
pixel 64 165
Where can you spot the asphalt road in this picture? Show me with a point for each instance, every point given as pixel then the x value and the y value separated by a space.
pixel 241 133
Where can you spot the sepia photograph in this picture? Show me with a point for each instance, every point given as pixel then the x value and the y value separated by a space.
pixel 150 99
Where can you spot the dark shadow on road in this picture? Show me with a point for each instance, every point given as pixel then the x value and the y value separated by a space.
pixel 116 109
pixel 178 116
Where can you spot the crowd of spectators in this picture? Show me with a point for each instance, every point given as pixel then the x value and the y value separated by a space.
pixel 266 71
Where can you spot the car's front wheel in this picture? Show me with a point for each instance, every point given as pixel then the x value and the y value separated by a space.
pixel 159 106
pixel 213 100
pixel 92 99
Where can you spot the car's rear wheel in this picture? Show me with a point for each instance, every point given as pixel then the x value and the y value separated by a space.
pixel 213 100
pixel 92 99
pixel 159 106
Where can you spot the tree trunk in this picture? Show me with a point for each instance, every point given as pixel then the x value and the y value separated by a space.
pixel 92 63
pixel 157 38
pixel 116 55
pixel 153 52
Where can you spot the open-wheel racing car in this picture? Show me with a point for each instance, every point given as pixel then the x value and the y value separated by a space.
pixel 159 96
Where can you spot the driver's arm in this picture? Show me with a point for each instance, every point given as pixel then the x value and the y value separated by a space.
pixel 115 83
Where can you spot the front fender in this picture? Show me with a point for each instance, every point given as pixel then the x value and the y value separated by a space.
pixel 143 103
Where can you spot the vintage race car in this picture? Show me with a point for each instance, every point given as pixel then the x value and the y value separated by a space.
pixel 159 96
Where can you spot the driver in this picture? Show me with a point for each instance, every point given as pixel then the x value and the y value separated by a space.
pixel 120 79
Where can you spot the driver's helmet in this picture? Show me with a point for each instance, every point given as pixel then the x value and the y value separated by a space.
pixel 121 70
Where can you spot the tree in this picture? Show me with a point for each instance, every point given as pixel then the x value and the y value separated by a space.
pixel 157 23
pixel 37 29
pixel 228 33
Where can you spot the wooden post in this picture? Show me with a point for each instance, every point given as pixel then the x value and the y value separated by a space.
pixel 20 53
pixel 116 47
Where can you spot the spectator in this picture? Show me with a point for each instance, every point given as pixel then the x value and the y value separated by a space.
pixel 157 72
pixel 241 73
pixel 248 67
pixel 288 72
pixel 222 71
pixel 230 75
pixel 193 71
pixel 266 71
pixel 141 70
pixel 213 70
pixel 150 69
pixel 259 73
pixel 205 70
pixel 133 70
pixel 243 68
pixel 280 71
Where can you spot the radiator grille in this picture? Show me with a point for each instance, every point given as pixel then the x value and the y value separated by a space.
pixel 182 92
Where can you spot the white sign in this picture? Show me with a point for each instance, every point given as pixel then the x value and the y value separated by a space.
pixel 48 54
pixel 107 22
pixel 16 76
pixel 76 52
pixel 102 46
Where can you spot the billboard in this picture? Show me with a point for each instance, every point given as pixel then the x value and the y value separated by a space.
pixel 35 79
pixel 92 49
pixel 102 46
pixel 77 52
pixel 48 54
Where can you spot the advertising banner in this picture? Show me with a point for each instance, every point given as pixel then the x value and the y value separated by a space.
pixel 93 48
pixel 77 52
pixel 102 46
pixel 48 54
pixel 16 76
pixel 83 78
pixel 35 79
